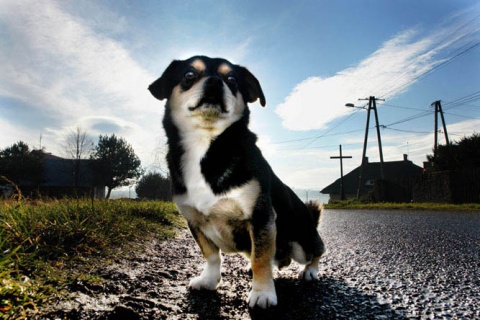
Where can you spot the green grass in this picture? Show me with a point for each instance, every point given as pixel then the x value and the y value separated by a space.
pixel 354 204
pixel 38 240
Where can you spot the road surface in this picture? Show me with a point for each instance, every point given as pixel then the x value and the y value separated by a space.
pixel 379 265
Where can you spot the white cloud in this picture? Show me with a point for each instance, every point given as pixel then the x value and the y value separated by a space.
pixel 59 65
pixel 387 72
pixel 22 134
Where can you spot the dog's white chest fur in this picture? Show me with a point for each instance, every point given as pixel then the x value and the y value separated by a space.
pixel 199 194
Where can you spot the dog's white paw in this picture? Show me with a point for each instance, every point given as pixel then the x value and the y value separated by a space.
pixel 204 283
pixel 308 274
pixel 263 299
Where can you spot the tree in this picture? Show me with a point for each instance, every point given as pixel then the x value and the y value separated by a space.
pixel 77 146
pixel 22 165
pixel 154 186
pixel 469 151
pixel 114 163
pixel 464 154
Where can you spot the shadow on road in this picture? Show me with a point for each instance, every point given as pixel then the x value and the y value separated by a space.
pixel 326 299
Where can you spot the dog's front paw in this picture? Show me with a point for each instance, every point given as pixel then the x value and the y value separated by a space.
pixel 308 274
pixel 263 299
pixel 204 283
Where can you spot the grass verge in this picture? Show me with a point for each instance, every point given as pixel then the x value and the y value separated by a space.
pixel 354 204
pixel 39 239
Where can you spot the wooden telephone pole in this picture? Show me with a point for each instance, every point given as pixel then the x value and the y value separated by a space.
pixel 372 105
pixel 438 109
pixel 341 157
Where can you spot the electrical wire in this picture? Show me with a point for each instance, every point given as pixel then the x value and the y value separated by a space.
pixel 429 71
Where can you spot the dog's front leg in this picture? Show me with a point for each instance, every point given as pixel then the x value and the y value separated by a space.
pixel 263 250
pixel 210 276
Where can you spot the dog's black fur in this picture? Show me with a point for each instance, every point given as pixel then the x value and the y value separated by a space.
pixel 232 160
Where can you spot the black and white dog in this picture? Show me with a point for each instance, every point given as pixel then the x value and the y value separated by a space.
pixel 222 184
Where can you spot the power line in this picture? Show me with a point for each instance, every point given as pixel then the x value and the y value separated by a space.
pixel 324 135
pixel 463 100
pixel 433 48
pixel 322 146
pixel 334 127
pixel 427 72
pixel 400 107
pixel 453 104
pixel 457 30
pixel 408 131
pixel 459 115
pixel 416 116
pixel 468 97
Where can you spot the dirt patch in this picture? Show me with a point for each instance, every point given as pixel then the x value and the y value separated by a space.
pixel 153 285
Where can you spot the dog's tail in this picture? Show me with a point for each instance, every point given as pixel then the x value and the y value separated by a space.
pixel 315 209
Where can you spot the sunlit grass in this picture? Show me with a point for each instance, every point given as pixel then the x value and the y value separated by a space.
pixel 37 238
pixel 354 204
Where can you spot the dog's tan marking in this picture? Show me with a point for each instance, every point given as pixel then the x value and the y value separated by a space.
pixel 207 247
pixel 217 228
pixel 263 251
pixel 199 65
pixel 227 207
pixel 224 69
pixel 262 269
pixel 263 288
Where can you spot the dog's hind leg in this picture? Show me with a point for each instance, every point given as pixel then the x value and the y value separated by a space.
pixel 310 272
pixel 210 276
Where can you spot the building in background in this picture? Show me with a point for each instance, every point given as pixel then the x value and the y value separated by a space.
pixel 68 178
pixel 395 186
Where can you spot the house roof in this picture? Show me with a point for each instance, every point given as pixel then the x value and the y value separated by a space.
pixel 392 170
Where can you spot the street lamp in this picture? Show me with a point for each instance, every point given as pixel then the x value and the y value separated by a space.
pixel 351 105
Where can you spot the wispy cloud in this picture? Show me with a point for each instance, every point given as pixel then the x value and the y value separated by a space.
pixel 62 66
pixel 387 72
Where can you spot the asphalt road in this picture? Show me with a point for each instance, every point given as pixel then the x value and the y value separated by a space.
pixel 409 264
pixel 379 265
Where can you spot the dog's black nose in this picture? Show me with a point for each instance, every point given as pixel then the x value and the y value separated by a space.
pixel 213 90
pixel 213 82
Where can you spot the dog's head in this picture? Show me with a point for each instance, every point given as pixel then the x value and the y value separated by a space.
pixel 206 93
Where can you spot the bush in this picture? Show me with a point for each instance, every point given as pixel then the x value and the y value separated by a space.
pixel 154 186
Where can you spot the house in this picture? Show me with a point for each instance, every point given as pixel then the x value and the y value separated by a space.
pixel 68 178
pixel 394 187
pixel 61 178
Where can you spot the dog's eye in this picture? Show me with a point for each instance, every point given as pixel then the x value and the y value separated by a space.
pixel 232 79
pixel 190 75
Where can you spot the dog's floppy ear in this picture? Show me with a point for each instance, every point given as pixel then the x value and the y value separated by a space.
pixel 251 87
pixel 163 86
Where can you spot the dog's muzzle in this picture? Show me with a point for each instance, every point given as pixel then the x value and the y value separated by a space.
pixel 212 95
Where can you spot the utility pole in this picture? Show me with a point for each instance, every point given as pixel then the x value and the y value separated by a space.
pixel 341 157
pixel 438 109
pixel 372 105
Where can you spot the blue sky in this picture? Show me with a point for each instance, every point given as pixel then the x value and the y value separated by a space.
pixel 88 63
